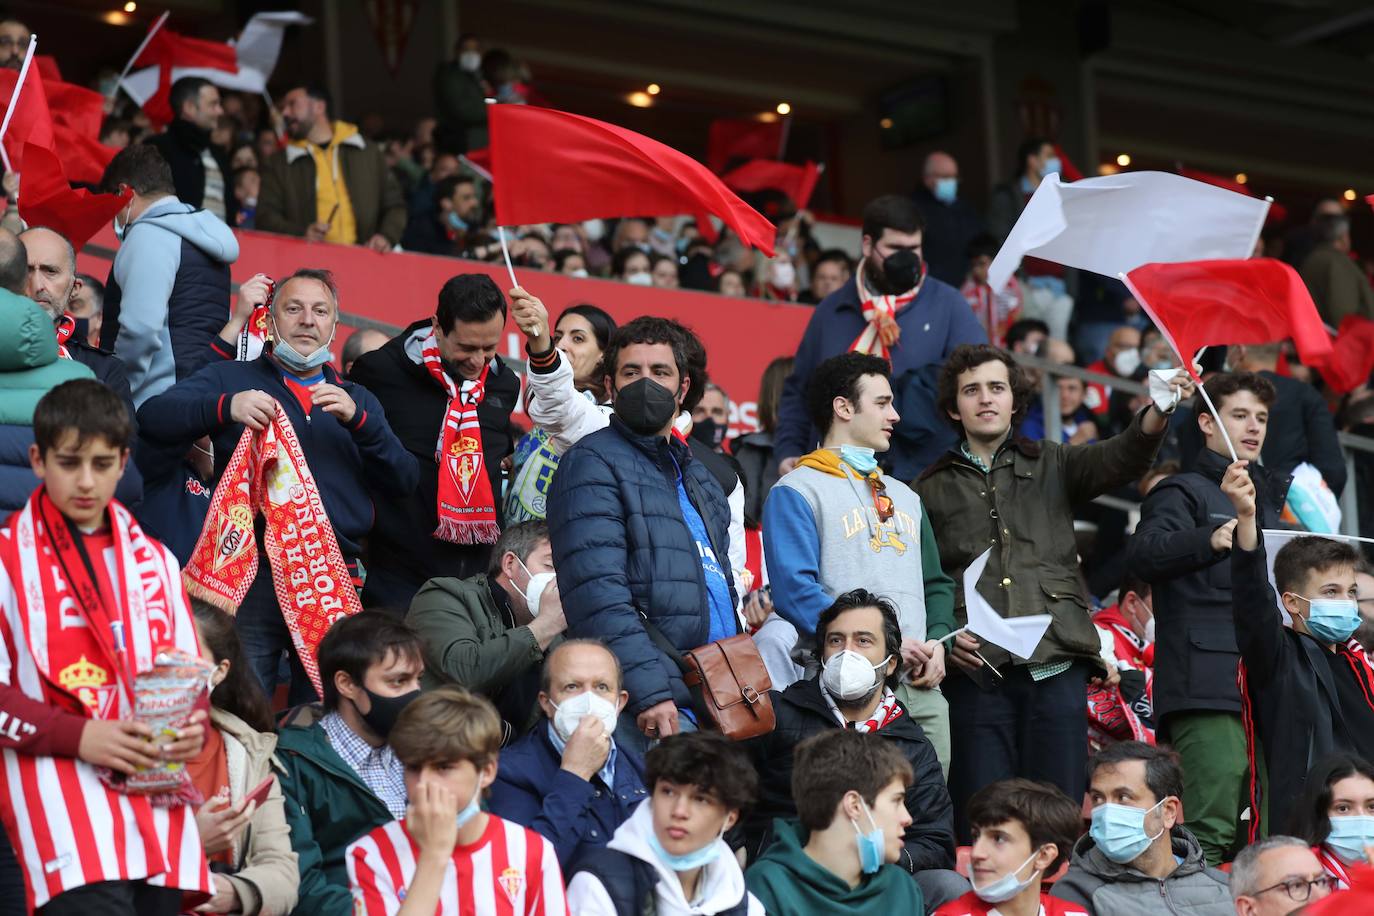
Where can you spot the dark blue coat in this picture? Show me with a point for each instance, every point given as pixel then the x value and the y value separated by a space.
pixel 347 461
pixel 533 790
pixel 622 550
pixel 933 324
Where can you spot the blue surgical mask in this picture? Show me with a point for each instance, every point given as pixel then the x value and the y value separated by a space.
pixel 1349 836
pixel 861 459
pixel 1007 886
pixel 688 861
pixel 473 808
pixel 946 190
pixel 1332 619
pixel 872 845
pixel 456 222
pixel 285 354
pixel 1119 831
pixel 1052 165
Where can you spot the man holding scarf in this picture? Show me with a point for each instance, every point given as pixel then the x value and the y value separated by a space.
pixel 341 438
pixel 449 398
pixel 891 309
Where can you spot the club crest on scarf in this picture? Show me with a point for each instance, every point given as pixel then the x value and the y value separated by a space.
pixel 464 463
pixel 233 536
pixel 90 684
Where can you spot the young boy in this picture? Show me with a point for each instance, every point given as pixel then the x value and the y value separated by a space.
pixel 1022 831
pixel 447 857
pixel 87 600
pixel 1305 694
pixel 850 789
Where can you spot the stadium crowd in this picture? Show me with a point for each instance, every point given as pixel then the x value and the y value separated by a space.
pixel 618 661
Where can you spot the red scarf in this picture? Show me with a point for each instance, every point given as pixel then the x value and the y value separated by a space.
pixel 467 510
pixel 253 336
pixel 880 312
pixel 268 474
pixel 66 326
pixel 888 711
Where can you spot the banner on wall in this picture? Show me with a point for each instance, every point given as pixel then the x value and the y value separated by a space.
pixel 391 22
pixel 389 291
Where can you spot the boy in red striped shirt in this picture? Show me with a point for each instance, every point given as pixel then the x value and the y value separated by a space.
pixel 87 602
pixel 447 857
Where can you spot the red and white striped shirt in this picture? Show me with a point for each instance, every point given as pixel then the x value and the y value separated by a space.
pixel 68 830
pixel 509 871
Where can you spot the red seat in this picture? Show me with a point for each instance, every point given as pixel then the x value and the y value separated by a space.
pixel 961 857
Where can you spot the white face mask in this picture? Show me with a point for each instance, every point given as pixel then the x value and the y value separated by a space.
pixel 782 275
pixel 1150 630
pixel 534 587
pixel 470 61
pixel 570 713
pixel 1125 362
pixel 849 676
pixel 595 229
pixel 640 278
pixel 579 272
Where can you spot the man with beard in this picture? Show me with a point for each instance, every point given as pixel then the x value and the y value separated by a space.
pixel 199 169
pixel 14 42
pixel 329 184
pixel 892 310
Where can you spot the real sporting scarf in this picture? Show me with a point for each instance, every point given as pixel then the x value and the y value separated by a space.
pixel 888 711
pixel 253 336
pixel 466 509
pixel 268 475
pixel 66 325
pixel 880 312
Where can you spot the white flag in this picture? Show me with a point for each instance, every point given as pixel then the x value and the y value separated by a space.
pixel 1114 224
pixel 258 48
pixel 1018 635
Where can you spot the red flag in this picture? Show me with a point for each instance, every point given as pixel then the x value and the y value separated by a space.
pixel 77 107
pixel 166 50
pixel 47 68
pixel 31 122
pixel 1352 355
pixel 552 166
pixel 1207 303
pixel 1357 901
pixel 742 140
pixel 49 201
pixel 1067 170
pixel 796 181
pixel 83 158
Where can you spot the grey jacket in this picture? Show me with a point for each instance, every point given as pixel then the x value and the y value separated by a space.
pixel 1108 889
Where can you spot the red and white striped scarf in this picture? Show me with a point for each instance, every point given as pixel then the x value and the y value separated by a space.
pixel 880 312
pixel 467 508
pixel 888 711
pixel 253 336
pixel 1333 866
pixel 66 326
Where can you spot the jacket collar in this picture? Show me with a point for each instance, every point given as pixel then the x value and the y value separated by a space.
pixel 189 135
pixel 1031 448
pixel 655 448
pixel 1272 488
pixel 806 695
pixel 1087 856
pixel 298 149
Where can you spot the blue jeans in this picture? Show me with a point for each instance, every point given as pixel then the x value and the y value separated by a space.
pixel 264 637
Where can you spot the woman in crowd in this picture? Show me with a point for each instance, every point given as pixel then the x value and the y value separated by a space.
pixel 631 265
pixel 564 398
pixel 1336 813
pixel 248 844
pixel 663 271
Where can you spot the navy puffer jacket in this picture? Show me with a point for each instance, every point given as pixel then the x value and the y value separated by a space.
pixel 622 550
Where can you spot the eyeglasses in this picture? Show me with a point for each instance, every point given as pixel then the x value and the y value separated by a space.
pixel 1299 890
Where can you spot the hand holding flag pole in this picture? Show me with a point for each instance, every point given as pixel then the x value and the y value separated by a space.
pixel 14 101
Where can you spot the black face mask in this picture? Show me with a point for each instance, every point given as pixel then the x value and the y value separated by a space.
pixel 901 271
pixel 381 718
pixel 645 406
pixel 709 432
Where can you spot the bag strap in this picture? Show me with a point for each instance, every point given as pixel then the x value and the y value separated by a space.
pixel 664 646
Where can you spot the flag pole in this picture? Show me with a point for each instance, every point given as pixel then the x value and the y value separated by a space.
pixel 14 101
pixel 1183 360
pixel 505 250
pixel 1338 537
pixel 146 38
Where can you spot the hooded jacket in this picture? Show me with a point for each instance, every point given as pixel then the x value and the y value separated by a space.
pixel 788 882
pixel 168 294
pixel 720 888
pixel 1108 889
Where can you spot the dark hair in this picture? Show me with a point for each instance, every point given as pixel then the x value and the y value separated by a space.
pixel 469 298
pixel 696 372
pixel 1224 384
pixel 1163 776
pixel 316 92
pixel 839 377
pixel 318 274
pixel 498 66
pixel 240 693
pixel 967 357
pixel 111 125
pixel 603 325
pixel 84 406
pixel 446 186
pixel 770 391
pixel 521 540
pixel 354 644
pixel 141 167
pixel 649 329
pixel 1132 582
pixel 860 598
pixel 1044 811
pixel 828 766
pixel 1304 555
pixel 707 760
pixel 837 255
pixel 986 245
pixel 656 259
pixel 240 173
pixel 562 255
pixel 546 672
pixel 96 287
pixel 1329 227
pixel 14 263
pixel 1309 819
pixel 186 89
pixel 891 211
pixel 1030 146
pixel 1023 328
pixel 622 257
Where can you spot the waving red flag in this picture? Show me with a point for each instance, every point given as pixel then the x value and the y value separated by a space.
pixel 75 106
pixel 1352 355
pixel 1355 901
pixel 48 200
pixel 552 166
pixel 1210 303
pixel 83 157
pixel 798 182
pixel 731 139
pixel 166 50
pixel 31 121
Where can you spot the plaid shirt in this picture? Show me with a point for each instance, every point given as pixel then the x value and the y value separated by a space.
pixel 377 767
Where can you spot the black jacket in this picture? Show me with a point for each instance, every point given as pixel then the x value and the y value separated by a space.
pixel 1195 648
pixel 403 536
pixel 754 452
pixel 181 145
pixel 948 230
pixel 801 712
pixel 1304 700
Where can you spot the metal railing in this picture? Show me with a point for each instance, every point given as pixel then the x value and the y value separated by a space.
pixel 1049 398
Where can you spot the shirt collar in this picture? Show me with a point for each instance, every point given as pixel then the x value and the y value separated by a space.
pixel 350 745
pixel 607 772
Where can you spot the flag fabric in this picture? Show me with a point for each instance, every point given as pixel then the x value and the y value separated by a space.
pixel 1211 303
pixel 47 66
pixel 552 166
pixel 1355 901
pixel 168 50
pixel 733 139
pixel 1277 212
pixel 1067 169
pixel 76 107
pixel 1351 362
pixel 83 157
pixel 1114 224
pixel 31 121
pixel 798 182
pixel 48 200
